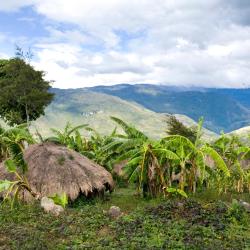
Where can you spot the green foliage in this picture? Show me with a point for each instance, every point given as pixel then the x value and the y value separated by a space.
pixel 24 92
pixel 5 185
pixel 173 165
pixel 130 131
pixel 12 144
pixel 221 165
pixel 175 127
pixel 152 164
pixel 237 212
pixel 146 224
pixel 234 153
pixel 60 199
pixel 10 166
pixel 11 189
pixel 176 192
pixel 69 137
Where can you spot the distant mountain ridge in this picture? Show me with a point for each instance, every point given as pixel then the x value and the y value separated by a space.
pixel 222 109
pixel 146 106
pixel 82 106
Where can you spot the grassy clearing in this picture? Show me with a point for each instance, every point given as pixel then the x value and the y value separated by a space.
pixel 194 223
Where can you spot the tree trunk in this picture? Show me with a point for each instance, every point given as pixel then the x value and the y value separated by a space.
pixel 27 116
pixel 182 177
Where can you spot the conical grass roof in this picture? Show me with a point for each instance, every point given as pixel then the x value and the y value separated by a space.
pixel 55 169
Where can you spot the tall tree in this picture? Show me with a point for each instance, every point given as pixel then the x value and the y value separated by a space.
pixel 175 127
pixel 24 92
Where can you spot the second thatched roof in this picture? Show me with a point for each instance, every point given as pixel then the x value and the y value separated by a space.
pixel 55 169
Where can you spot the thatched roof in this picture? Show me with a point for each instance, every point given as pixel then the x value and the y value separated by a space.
pixel 56 169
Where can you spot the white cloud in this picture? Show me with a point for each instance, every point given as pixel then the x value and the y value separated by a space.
pixel 14 5
pixel 205 43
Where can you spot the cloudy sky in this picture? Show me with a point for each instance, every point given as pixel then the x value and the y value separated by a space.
pixel 91 42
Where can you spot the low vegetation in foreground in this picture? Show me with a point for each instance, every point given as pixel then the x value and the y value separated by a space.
pixel 179 193
pixel 210 222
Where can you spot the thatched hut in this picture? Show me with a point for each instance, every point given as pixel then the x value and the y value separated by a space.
pixel 54 169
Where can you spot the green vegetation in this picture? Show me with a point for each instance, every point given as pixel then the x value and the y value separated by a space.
pixel 175 189
pixel 12 142
pixel 146 224
pixel 176 127
pixel 172 162
pixel 24 93
pixel 176 194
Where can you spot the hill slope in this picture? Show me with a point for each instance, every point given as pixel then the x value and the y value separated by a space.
pixel 95 109
pixel 242 133
pixel 222 109
pixel 86 107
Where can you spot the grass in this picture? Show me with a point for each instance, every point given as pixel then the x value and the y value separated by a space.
pixel 193 223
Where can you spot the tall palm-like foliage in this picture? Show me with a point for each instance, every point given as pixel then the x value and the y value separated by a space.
pixel 147 169
pixel 153 164
pixel 106 149
pixel 12 188
pixel 13 142
pixel 69 136
pixel 159 166
pixel 233 152
pixel 100 148
pixel 144 159
pixel 93 147
pixel 3 147
pixel 191 164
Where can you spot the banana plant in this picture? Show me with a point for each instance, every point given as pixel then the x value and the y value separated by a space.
pixel 69 136
pixel 143 159
pixel 13 142
pixel 101 148
pixel 192 158
pixel 12 188
pixel 3 147
pixel 233 152
pixel 144 167
pixel 117 146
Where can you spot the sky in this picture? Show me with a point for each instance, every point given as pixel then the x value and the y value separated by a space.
pixel 82 43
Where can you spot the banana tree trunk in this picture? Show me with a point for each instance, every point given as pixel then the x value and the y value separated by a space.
pixel 182 176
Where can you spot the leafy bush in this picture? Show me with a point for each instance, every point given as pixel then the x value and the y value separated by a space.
pixel 60 199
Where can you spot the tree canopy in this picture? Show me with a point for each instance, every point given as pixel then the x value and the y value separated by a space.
pixel 175 127
pixel 24 92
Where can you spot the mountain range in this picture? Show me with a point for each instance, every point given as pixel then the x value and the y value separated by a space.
pixel 146 107
pixel 82 106
pixel 222 109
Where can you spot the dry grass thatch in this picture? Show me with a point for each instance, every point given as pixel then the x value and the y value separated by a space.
pixel 56 169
